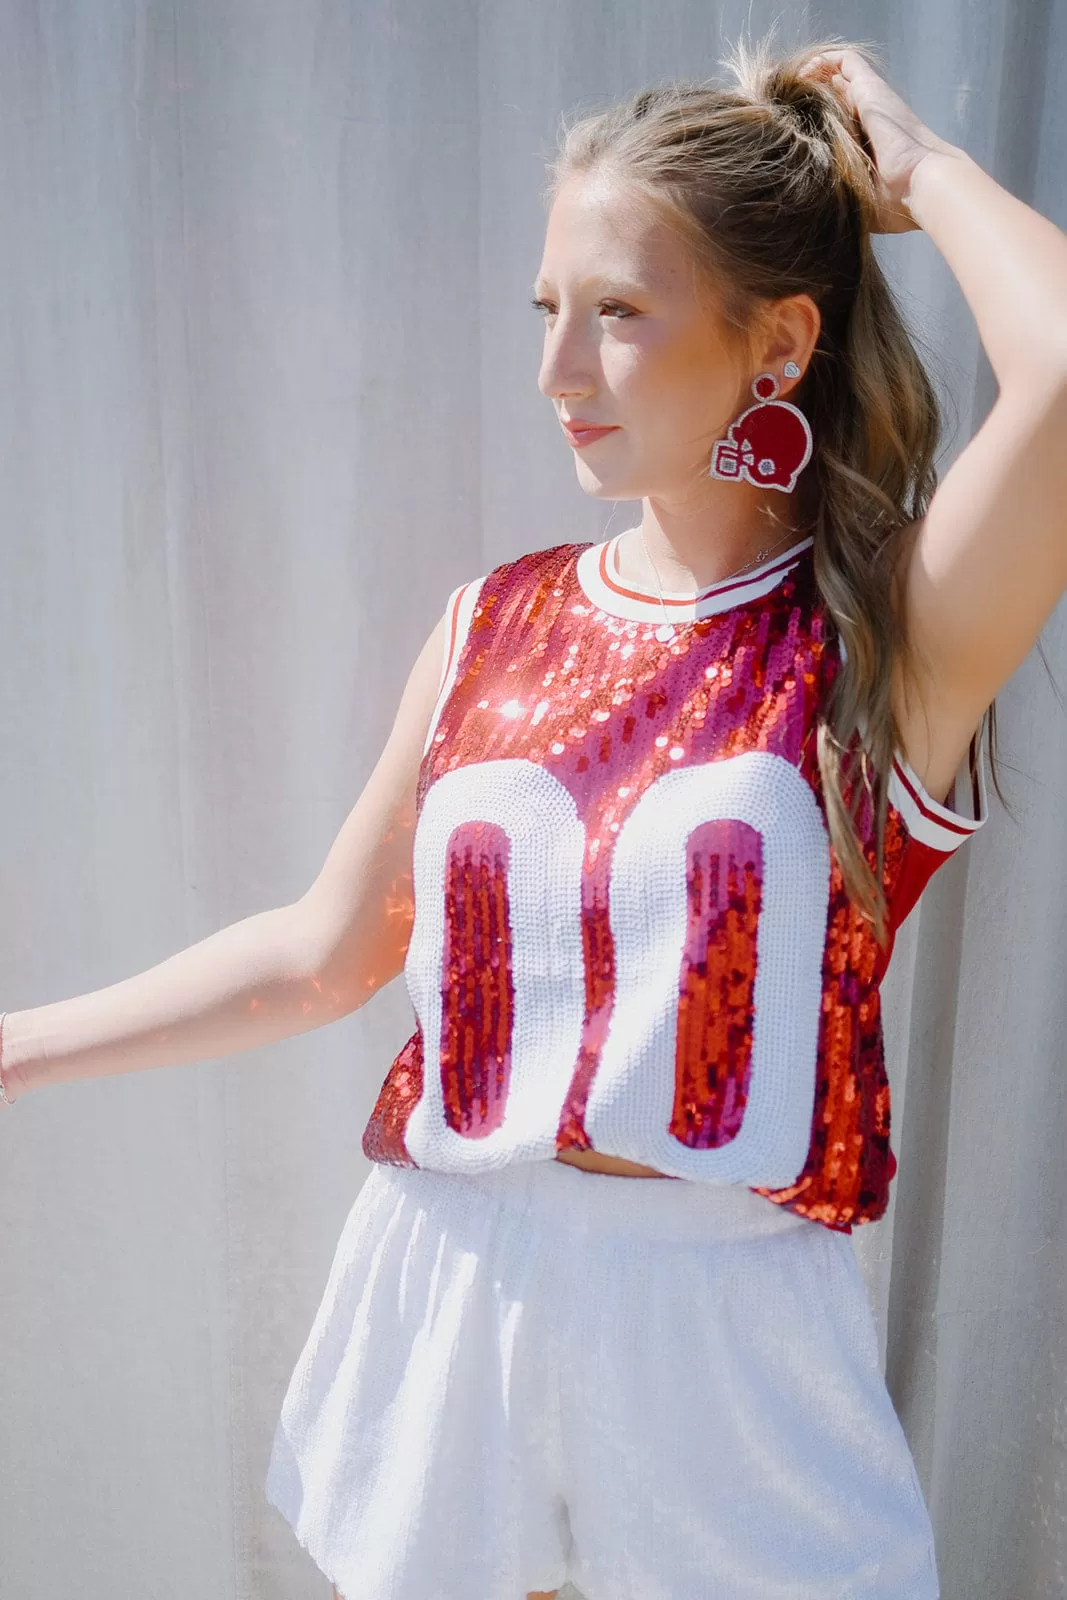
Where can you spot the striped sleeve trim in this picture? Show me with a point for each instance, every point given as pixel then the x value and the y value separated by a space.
pixel 941 826
pixel 932 822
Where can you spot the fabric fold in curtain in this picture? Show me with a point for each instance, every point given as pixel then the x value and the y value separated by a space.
pixel 270 395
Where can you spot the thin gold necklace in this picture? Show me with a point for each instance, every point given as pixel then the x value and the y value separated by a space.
pixel 666 627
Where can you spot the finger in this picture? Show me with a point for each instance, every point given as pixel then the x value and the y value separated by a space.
pixel 853 65
pixel 845 94
pixel 819 63
pixel 849 63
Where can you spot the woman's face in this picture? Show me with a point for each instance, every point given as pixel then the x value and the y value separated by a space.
pixel 631 340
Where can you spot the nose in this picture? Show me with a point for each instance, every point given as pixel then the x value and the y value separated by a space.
pixel 559 383
pixel 564 373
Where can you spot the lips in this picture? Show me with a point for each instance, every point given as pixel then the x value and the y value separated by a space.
pixel 584 433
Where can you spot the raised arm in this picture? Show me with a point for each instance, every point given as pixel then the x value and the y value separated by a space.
pixel 278 973
pixel 988 563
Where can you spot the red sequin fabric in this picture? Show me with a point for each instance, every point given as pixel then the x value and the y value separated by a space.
pixel 631 930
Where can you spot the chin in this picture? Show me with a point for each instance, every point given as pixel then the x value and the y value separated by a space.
pixel 608 488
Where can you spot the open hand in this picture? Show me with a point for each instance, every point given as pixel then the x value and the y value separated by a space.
pixel 898 139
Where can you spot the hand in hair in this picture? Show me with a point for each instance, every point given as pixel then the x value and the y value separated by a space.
pixel 898 139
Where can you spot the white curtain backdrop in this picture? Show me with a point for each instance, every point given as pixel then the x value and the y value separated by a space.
pixel 269 393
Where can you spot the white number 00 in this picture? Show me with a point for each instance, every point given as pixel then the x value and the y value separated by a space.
pixel 632 1093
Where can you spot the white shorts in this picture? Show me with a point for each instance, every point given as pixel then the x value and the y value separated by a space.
pixel 653 1388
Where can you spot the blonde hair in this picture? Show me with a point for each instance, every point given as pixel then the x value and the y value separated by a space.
pixel 769 184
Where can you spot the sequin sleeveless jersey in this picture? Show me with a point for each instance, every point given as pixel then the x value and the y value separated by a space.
pixel 631 932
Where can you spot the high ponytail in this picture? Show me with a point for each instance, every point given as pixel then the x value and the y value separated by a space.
pixel 770 183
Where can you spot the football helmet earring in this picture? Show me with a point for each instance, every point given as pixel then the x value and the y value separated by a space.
pixel 769 443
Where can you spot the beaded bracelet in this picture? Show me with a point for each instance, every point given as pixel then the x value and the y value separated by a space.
pixel 4 1096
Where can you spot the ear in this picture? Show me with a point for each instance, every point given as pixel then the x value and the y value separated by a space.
pixel 792 329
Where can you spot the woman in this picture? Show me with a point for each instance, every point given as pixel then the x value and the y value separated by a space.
pixel 662 802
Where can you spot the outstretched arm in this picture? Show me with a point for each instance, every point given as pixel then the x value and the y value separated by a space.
pixel 248 984
pixel 272 975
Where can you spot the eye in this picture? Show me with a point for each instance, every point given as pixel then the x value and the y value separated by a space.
pixel 545 307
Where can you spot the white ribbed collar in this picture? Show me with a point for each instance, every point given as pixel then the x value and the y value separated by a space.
pixel 598 577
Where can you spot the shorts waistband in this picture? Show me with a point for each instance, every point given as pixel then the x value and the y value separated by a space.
pixel 679 1209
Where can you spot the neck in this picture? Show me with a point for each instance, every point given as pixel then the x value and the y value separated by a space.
pixel 692 550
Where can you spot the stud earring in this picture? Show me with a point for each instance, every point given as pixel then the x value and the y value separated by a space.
pixel 768 444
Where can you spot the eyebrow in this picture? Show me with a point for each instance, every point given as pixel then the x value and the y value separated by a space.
pixel 617 285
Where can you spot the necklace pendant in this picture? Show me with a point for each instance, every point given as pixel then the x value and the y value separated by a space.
pixel 665 631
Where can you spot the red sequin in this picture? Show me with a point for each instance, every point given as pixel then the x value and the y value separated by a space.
pixel 609 708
